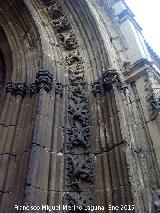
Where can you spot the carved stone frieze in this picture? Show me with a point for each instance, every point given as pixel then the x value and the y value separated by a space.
pixel 82 200
pixel 60 21
pixel 154 103
pixel 59 89
pixel 55 11
pixel 44 80
pixel 152 89
pixel 78 137
pixel 78 91
pixel 61 24
pixel 73 58
pixel 16 88
pixel 75 80
pixel 76 69
pixel 76 77
pixel 79 114
pixel 79 173
pixel 68 40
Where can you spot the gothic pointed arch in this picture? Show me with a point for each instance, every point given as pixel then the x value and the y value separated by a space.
pixel 20 60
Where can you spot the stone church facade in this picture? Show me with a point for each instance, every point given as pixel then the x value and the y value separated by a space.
pixel 79 108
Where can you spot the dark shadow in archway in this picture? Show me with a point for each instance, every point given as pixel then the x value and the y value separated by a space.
pixel 2 72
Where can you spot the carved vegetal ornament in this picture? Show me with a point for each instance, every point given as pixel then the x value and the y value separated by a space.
pixel 79 169
pixel 152 88
pixel 109 79
pixel 17 89
pixel 44 80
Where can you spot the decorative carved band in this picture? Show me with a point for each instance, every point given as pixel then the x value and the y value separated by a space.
pixel 79 175
pixel 60 21
pixel 152 88
pixel 16 88
pixel 154 103
pixel 76 200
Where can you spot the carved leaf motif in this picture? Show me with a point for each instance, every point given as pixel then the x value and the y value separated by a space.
pixel 55 12
pixel 79 170
pixel 44 79
pixel 21 89
pixel 78 137
pixel 78 91
pixel 79 112
pixel 61 24
pixel 82 199
pixel 73 58
pixel 11 87
pixel 154 104
pixel 16 88
pixel 68 40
